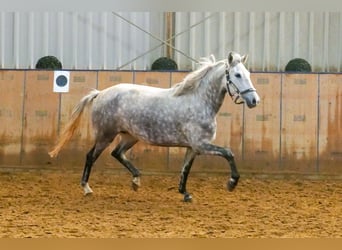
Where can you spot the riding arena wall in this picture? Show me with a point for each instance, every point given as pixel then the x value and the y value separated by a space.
pixel 296 129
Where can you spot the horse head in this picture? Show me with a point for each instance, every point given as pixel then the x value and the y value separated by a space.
pixel 239 84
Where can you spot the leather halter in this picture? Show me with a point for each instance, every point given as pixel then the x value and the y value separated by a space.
pixel 238 92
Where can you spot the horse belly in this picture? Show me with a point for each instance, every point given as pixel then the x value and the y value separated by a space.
pixel 162 132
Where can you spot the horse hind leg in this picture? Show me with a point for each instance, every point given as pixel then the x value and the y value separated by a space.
pixel 127 142
pixel 91 157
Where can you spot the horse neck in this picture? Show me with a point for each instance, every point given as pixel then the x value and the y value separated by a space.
pixel 212 93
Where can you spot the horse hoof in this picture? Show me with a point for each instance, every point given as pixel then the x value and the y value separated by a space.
pixel 232 184
pixel 135 186
pixel 88 193
pixel 87 189
pixel 187 198
pixel 136 183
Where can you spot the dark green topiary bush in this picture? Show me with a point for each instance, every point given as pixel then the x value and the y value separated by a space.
pixel 164 63
pixel 298 65
pixel 48 62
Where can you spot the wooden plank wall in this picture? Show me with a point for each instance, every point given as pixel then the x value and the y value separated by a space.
pixel 299 123
pixel 262 126
pixel 40 118
pixel 330 124
pixel 11 116
pixel 297 128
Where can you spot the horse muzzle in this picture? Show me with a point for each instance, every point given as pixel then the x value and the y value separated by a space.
pixel 251 98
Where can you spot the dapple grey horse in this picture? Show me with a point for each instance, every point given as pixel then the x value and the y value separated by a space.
pixel 181 116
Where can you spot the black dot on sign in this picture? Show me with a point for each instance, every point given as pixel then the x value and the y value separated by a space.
pixel 61 81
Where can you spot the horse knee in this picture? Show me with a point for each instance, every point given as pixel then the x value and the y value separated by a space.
pixel 117 153
pixel 230 154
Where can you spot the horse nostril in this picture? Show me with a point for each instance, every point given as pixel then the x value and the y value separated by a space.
pixel 255 101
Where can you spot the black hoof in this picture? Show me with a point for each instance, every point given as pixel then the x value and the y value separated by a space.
pixel 232 184
pixel 187 198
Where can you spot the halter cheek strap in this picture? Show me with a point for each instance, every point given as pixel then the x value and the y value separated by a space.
pixel 237 94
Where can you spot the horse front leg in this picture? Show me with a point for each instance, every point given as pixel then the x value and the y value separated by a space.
pixel 211 149
pixel 189 158
pixel 127 141
pixel 133 170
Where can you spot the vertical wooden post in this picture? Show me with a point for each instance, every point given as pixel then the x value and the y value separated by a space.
pixel 169 33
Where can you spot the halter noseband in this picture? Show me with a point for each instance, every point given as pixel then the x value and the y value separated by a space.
pixel 238 92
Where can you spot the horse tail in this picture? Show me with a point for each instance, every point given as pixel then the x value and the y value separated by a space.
pixel 73 124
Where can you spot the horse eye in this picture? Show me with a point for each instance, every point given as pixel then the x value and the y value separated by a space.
pixel 238 75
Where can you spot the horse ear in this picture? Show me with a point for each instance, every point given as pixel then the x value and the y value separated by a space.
pixel 212 58
pixel 244 59
pixel 230 58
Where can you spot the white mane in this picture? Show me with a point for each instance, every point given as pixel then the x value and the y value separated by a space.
pixel 193 79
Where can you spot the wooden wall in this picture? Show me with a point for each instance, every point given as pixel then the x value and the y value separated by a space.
pixel 297 128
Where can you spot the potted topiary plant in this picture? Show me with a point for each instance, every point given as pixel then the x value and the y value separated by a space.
pixel 164 63
pixel 48 62
pixel 298 65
